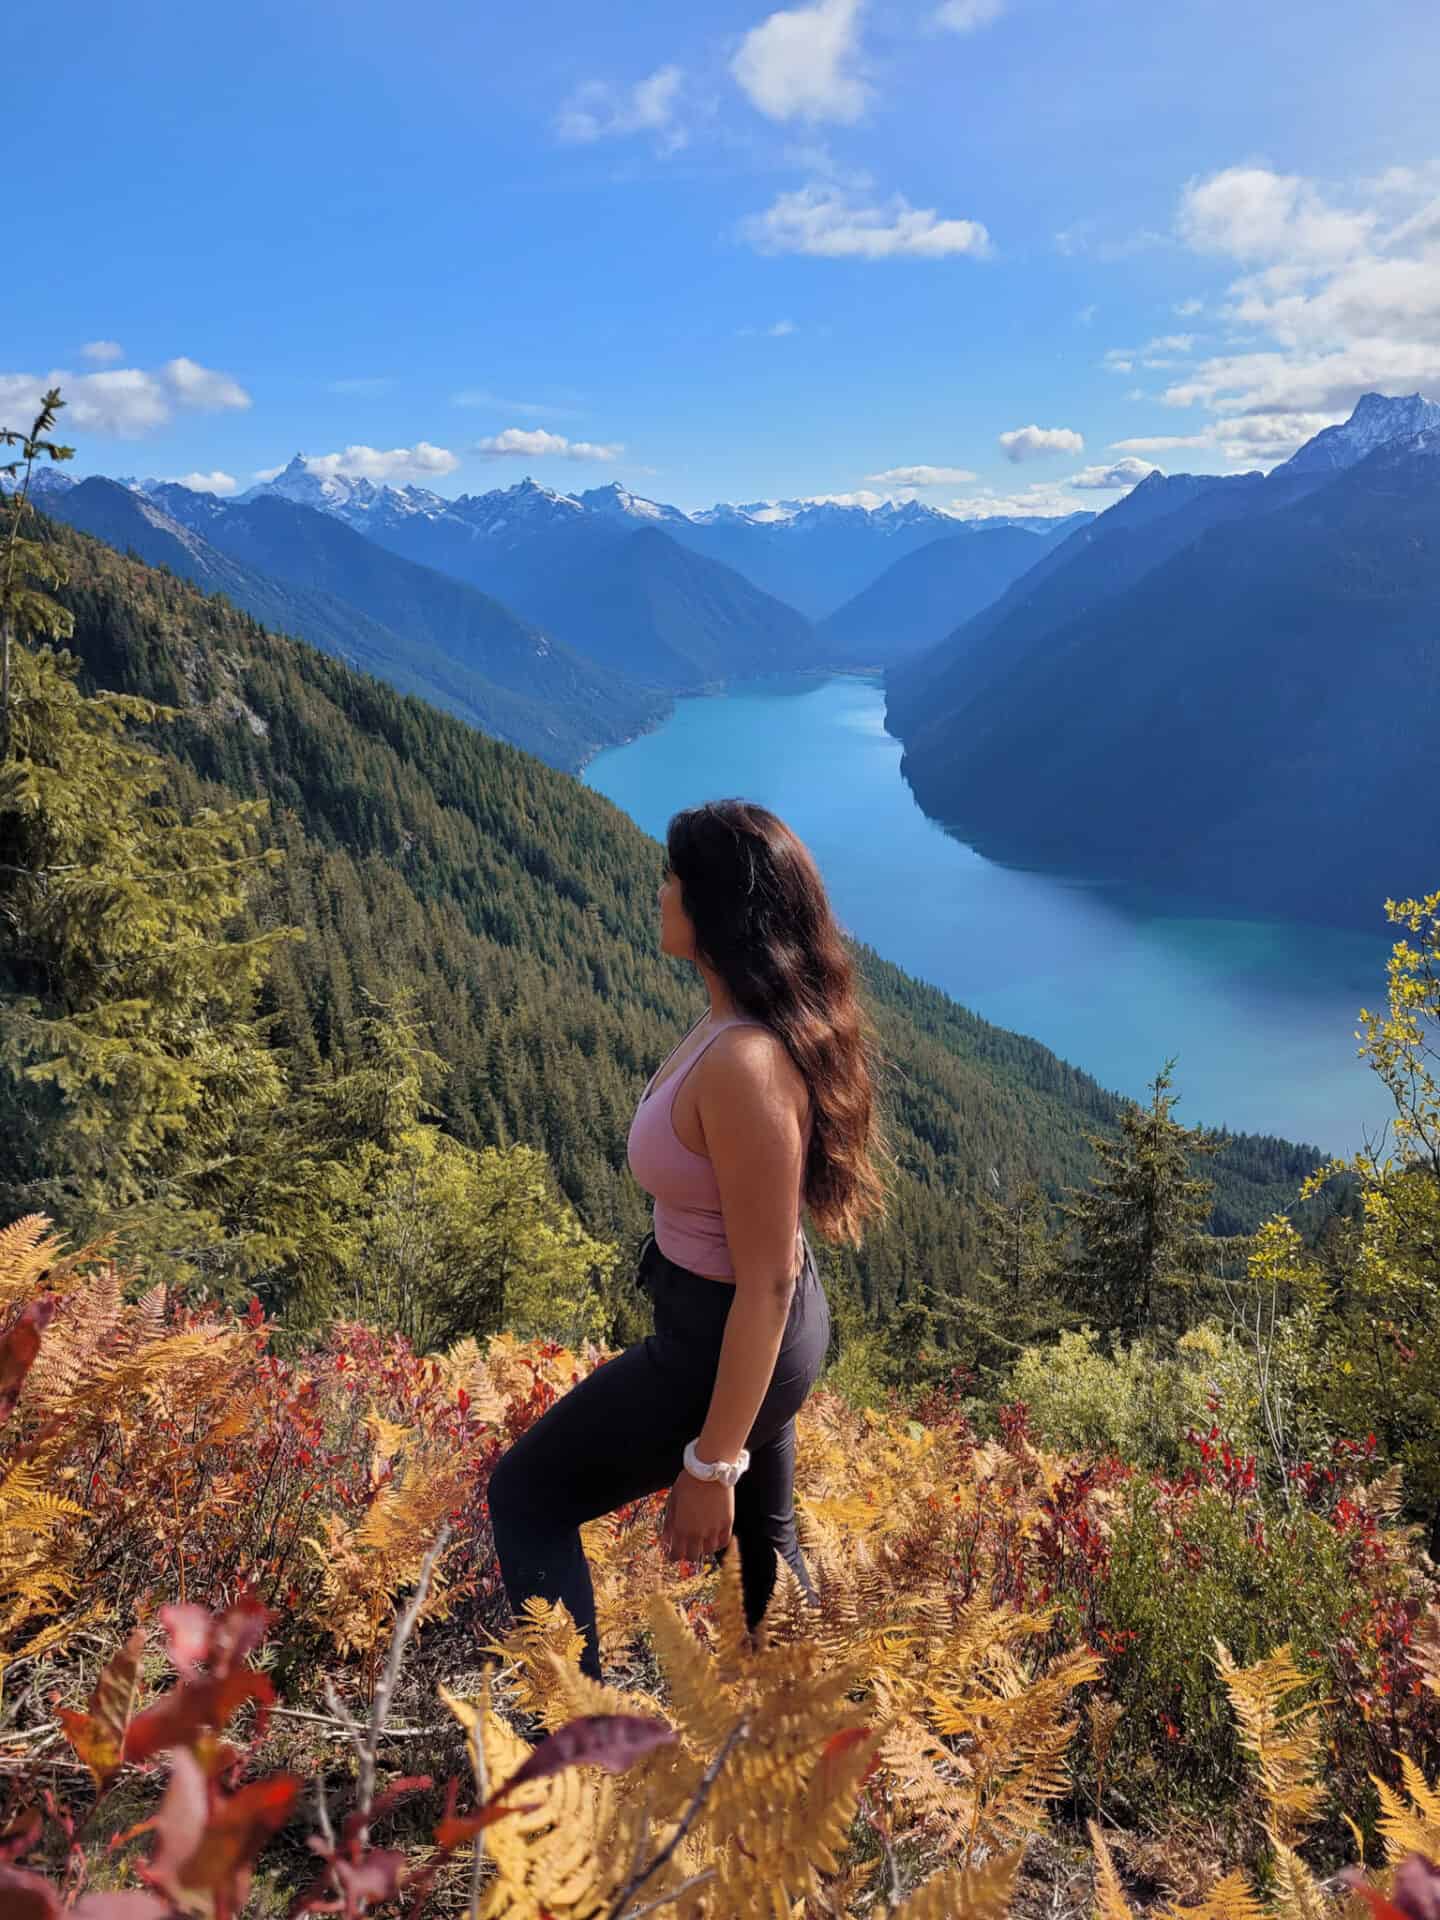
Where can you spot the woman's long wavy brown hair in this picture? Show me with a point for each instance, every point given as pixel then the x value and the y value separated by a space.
pixel 764 923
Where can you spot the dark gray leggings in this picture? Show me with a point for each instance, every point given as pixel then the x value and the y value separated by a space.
pixel 620 1434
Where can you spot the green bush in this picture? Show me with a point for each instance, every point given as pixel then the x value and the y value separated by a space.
pixel 1138 1403
pixel 1188 1568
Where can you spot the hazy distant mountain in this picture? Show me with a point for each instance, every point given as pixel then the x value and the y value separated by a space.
pixel 599 572
pixel 1254 720
pixel 925 596
pixel 422 632
pixel 653 609
pixel 814 555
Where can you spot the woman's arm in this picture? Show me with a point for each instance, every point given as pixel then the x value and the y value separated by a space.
pixel 746 1106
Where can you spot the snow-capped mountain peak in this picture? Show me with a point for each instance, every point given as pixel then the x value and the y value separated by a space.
pixel 297 482
pixel 615 499
pixel 1377 419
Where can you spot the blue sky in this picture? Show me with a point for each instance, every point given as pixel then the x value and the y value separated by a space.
pixel 722 252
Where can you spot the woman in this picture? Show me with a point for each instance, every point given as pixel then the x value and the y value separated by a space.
pixel 764 1107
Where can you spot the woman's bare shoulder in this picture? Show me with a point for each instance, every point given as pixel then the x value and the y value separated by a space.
pixel 753 1059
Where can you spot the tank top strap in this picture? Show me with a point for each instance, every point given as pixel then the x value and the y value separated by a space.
pixel 713 1034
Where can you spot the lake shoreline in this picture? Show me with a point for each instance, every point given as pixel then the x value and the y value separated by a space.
pixel 1261 1013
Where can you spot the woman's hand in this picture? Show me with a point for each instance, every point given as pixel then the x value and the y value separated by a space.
pixel 699 1517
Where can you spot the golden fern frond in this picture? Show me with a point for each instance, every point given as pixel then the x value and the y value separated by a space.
pixel 543 1638
pixel 1423 1797
pixel 982 1893
pixel 181 1370
pixel 55 1633
pixel 1231 1898
pixel 1281 1734
pixel 1300 1897
pixel 926 1781
pixel 84 1327
pixel 1425 1648
pixel 29 1247
pixel 732 1633
pixel 1384 1495
pixel 702 1703
pixel 557 1853
pixel 1408 1829
pixel 147 1316
pixel 1110 1901
pixel 575 1694
pixel 1102 1716
pixel 1018 1802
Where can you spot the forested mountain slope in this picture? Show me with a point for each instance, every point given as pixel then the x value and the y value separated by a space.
pixel 1255 722
pixel 307 573
pixel 520 906
pixel 919 600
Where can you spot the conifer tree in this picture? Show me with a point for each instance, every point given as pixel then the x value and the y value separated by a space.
pixel 26 567
pixel 1139 1227
pixel 128 1047
pixel 1015 1301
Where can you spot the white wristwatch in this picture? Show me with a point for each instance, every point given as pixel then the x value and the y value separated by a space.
pixel 725 1471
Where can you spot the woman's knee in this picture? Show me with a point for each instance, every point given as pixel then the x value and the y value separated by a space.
pixel 509 1493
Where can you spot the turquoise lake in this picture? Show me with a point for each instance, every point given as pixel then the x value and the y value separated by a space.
pixel 1261 1016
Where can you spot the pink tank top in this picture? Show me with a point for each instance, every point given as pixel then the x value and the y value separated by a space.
pixel 689 1225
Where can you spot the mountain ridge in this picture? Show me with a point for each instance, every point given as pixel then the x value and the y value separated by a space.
pixel 1203 730
pixel 490 668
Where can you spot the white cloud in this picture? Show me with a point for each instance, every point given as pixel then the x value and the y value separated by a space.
pixel 1162 442
pixel 420 462
pixel 269 473
pixel 822 221
pixel 127 402
pixel 1085 317
pixel 781 330
pixel 1252 214
pixel 1253 440
pixel 1088 236
pixel 541 410
pixel 801 64
pixel 1340 295
pixel 536 444
pixel 1121 475
pixel 921 477
pixel 861 497
pixel 964 16
pixel 1187 309
pixel 200 387
pixel 1024 443
pixel 102 353
pixel 598 111
pixel 1043 501
pixel 1157 353
pixel 216 482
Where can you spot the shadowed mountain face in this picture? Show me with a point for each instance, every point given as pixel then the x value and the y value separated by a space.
pixel 615 589
pixel 305 573
pixel 920 599
pixel 1253 718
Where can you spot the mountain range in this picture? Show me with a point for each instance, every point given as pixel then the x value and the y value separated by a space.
pixel 306 573
pixel 563 623
pixel 1194 691
pixel 814 555
pixel 1227 688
